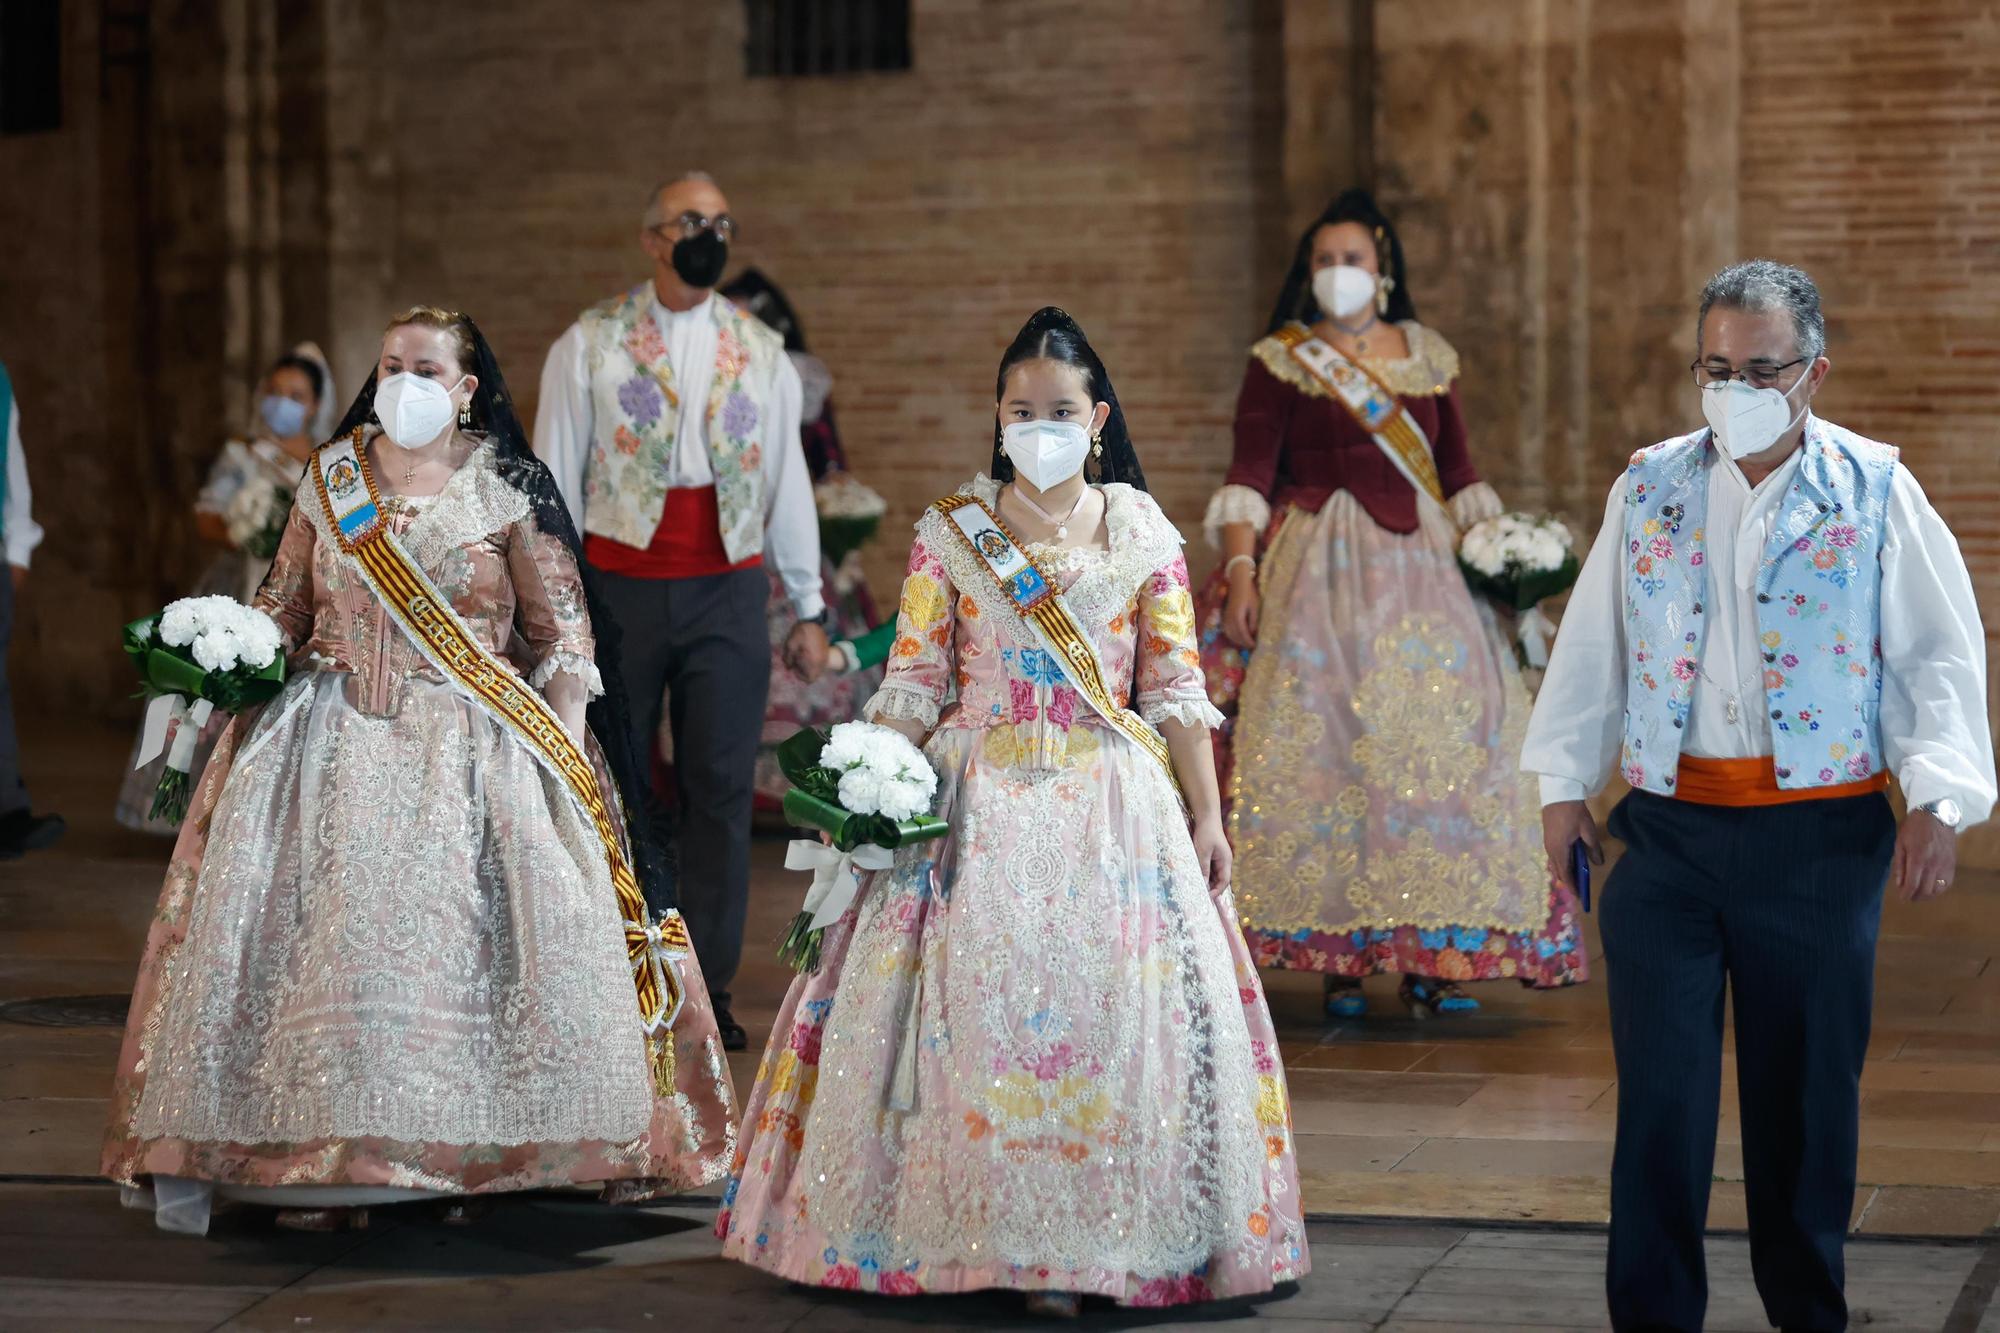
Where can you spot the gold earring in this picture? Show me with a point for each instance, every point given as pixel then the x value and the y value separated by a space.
pixel 1382 290
pixel 1097 445
pixel 465 413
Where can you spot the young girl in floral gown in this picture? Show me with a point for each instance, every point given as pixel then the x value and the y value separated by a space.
pixel 1036 1054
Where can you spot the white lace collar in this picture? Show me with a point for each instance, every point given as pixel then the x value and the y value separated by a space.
pixel 1142 542
pixel 475 503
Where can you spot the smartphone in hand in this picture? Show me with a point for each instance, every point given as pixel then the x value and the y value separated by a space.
pixel 1579 864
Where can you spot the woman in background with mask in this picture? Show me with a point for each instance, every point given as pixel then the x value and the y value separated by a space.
pixel 1036 1054
pixel 1379 818
pixel 395 954
pixel 242 509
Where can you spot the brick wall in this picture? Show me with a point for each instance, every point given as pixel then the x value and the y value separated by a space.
pixel 1565 190
pixel 1566 173
pixel 1039 153
pixel 1871 157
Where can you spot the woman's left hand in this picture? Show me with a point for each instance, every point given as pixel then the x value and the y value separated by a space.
pixel 1211 849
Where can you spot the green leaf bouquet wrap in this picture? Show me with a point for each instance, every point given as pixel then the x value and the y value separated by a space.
pixel 869 790
pixel 198 655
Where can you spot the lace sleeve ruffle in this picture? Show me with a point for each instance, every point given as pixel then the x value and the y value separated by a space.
pixel 902 703
pixel 1235 504
pixel 1197 712
pixel 1475 504
pixel 575 664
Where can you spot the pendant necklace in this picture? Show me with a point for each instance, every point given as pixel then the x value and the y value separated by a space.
pixel 1732 703
pixel 1061 524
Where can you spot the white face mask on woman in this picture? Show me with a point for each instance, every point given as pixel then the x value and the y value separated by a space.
pixel 1343 290
pixel 1747 421
pixel 413 410
pixel 1047 453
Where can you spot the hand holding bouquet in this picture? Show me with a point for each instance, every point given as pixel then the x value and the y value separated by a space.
pixel 200 654
pixel 871 791
pixel 1519 560
pixel 255 516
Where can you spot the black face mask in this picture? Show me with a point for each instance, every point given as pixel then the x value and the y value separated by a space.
pixel 699 259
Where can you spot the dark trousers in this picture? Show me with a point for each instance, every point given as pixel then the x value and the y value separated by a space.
pixel 702 642
pixel 13 792
pixel 1784 903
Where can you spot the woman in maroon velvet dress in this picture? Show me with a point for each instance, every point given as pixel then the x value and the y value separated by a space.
pixel 1380 820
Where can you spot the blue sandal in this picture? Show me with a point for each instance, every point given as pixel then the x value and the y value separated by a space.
pixel 1426 997
pixel 1343 998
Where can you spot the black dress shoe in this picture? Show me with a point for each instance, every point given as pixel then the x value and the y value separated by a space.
pixel 734 1038
pixel 22 832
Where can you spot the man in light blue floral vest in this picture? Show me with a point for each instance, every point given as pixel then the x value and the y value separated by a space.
pixel 671 422
pixel 1772 625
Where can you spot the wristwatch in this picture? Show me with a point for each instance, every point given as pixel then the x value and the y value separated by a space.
pixel 1945 811
pixel 821 619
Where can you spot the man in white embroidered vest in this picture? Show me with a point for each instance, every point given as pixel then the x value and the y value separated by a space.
pixel 1772 621
pixel 671 422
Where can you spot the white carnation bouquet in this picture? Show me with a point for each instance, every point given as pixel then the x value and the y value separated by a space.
pixel 255 515
pixel 198 655
pixel 871 791
pixel 849 514
pixel 1520 560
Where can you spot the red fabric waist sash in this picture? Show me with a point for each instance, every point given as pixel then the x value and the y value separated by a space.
pixel 686 545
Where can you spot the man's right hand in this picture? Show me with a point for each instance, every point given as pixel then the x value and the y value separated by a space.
pixel 1564 824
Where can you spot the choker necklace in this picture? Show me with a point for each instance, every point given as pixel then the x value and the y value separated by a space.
pixel 1360 343
pixel 1061 524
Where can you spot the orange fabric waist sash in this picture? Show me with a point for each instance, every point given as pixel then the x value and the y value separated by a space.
pixel 1754 782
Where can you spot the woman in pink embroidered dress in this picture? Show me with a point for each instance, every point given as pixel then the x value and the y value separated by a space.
pixel 1036 1054
pixel 389 962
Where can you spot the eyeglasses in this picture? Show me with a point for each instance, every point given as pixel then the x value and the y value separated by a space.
pixel 691 224
pixel 1757 374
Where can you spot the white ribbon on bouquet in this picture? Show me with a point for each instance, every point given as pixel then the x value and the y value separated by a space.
pixel 186 718
pixel 1534 633
pixel 836 876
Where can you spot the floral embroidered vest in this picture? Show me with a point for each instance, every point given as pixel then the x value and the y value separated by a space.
pixel 1817 590
pixel 637 414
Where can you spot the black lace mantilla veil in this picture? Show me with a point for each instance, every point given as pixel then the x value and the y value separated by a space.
pixel 1052 335
pixel 1295 298
pixel 609 715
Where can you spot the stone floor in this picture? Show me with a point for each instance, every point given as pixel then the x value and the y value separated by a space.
pixel 1503 1119
pixel 71 1259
